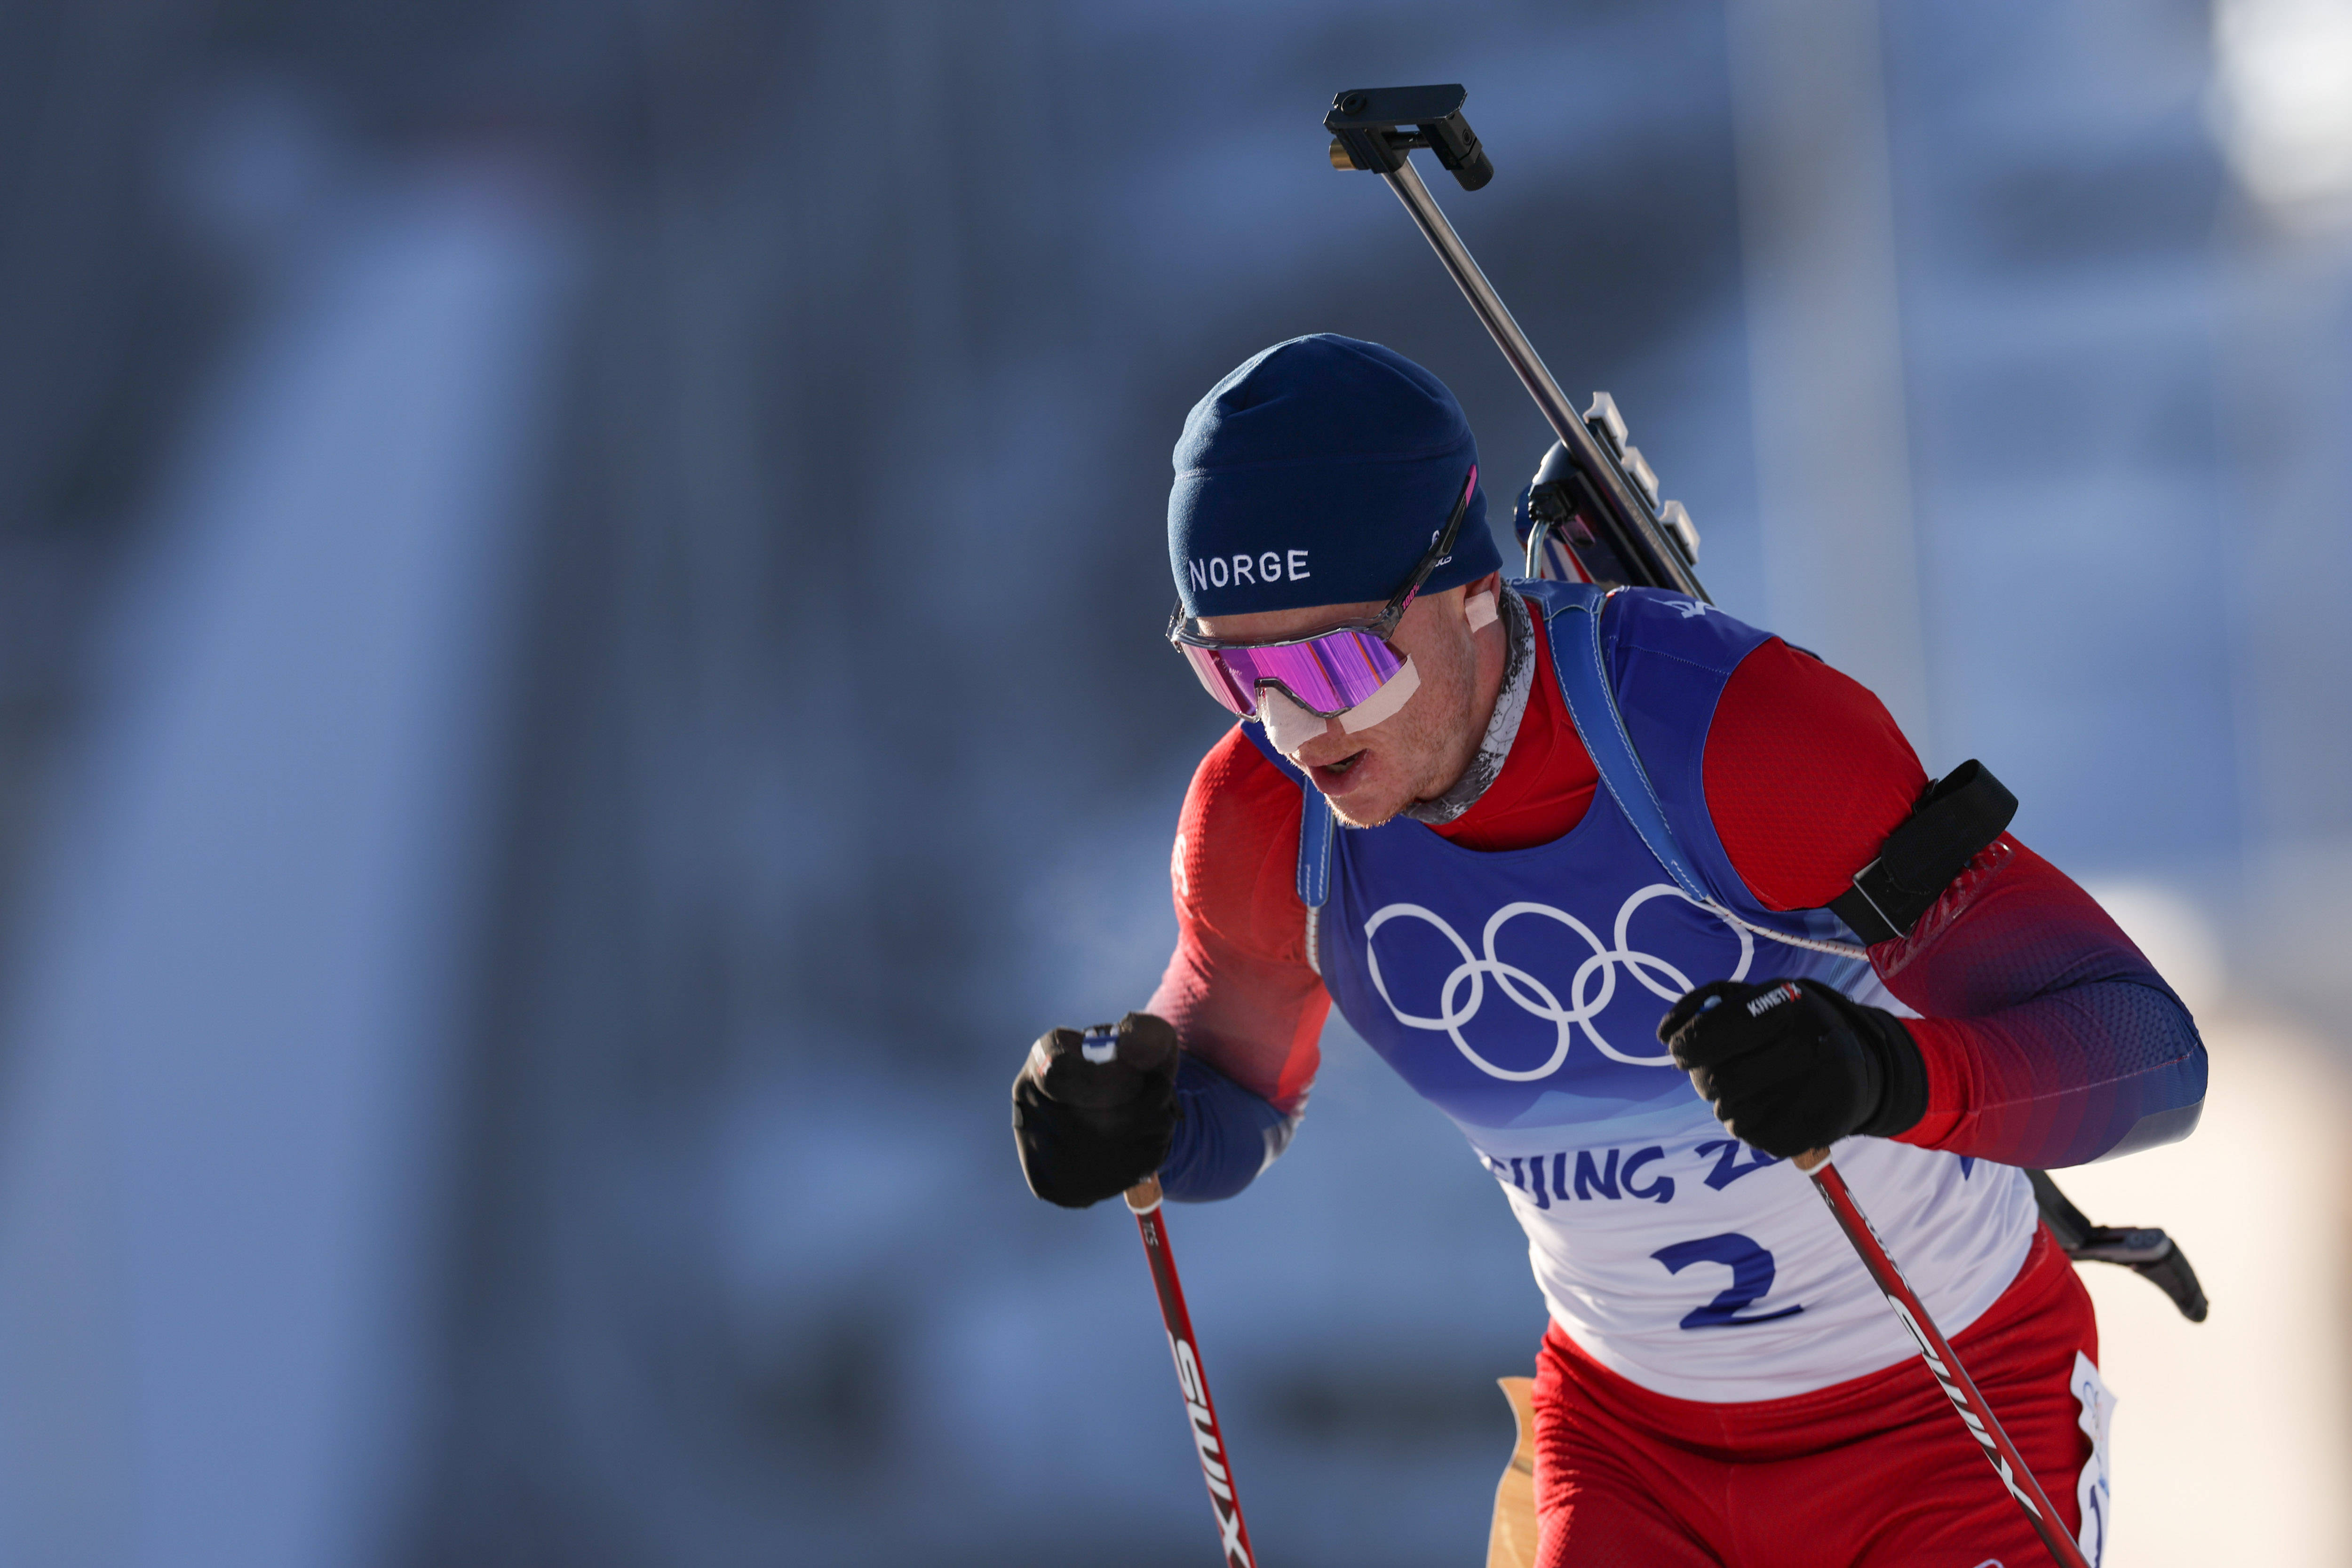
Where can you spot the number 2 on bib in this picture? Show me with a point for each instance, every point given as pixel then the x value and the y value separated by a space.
pixel 1751 1279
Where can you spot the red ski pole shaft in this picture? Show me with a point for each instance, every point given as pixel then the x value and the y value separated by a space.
pixel 1216 1468
pixel 1937 1351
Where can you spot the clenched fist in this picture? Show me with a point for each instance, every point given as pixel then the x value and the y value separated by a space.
pixel 1093 1113
pixel 1794 1065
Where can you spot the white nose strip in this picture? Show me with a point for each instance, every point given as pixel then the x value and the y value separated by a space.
pixel 1384 703
pixel 1288 724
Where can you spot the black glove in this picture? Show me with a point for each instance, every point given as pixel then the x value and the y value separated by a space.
pixel 1093 1113
pixel 1793 1065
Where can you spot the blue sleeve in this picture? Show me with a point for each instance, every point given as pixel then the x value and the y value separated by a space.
pixel 1224 1136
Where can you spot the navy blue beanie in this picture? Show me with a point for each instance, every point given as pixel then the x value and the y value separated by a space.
pixel 1319 472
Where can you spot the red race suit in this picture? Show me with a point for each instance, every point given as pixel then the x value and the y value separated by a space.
pixel 2046 1038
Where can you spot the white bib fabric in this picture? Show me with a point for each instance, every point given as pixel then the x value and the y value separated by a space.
pixel 1694 1266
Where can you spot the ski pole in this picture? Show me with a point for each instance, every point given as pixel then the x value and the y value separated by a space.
pixel 1216 1468
pixel 1937 1351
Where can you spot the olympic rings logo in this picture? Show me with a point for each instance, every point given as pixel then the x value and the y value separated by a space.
pixel 1591 989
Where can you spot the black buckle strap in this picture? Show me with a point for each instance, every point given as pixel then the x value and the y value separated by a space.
pixel 2144 1249
pixel 1961 813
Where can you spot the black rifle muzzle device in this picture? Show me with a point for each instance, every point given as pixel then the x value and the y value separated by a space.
pixel 1374 127
pixel 1594 510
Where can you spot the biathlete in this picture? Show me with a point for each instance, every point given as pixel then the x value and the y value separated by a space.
pixel 1411 823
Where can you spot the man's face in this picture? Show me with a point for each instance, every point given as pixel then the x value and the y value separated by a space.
pixel 1419 751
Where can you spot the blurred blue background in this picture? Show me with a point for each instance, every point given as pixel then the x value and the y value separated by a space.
pixel 580 672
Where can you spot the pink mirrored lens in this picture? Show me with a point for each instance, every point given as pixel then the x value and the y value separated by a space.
pixel 1328 675
pixel 1214 680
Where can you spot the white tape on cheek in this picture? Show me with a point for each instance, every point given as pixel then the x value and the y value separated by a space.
pixel 1481 612
pixel 1288 724
pixel 1384 703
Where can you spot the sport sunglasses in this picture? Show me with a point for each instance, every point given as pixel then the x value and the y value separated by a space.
pixel 1326 674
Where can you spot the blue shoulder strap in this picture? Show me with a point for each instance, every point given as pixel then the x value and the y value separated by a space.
pixel 1573 612
pixel 1316 826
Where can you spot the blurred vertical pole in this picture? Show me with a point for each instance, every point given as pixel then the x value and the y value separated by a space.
pixel 2282 104
pixel 2286 399
pixel 1825 343
pixel 240 1016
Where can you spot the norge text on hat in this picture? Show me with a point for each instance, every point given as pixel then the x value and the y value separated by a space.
pixel 1319 472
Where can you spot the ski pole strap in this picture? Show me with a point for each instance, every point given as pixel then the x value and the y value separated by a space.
pixel 1959 816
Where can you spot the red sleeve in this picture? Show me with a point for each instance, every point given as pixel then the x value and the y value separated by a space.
pixel 2047 1038
pixel 1239 988
pixel 1806 775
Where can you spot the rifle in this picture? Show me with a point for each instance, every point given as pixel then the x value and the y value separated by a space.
pixel 1592 513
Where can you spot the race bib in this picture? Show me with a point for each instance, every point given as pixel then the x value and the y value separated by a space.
pixel 2092 1491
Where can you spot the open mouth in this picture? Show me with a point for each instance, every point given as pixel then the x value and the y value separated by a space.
pixel 1328 774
